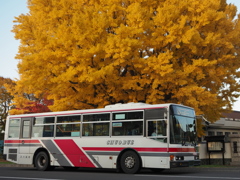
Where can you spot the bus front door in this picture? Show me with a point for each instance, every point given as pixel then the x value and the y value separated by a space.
pixel 25 141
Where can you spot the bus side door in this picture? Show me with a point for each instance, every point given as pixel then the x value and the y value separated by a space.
pixel 25 140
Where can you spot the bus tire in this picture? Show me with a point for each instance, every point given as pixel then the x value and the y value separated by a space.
pixel 130 162
pixel 42 161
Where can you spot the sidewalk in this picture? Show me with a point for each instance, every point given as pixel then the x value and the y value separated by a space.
pixel 207 168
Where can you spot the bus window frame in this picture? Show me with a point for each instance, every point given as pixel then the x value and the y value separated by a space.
pixel 95 122
pixel 34 124
pixel 56 120
pixel 23 120
pixel 19 128
pixel 162 138
pixel 68 123
pixel 125 111
pixel 128 120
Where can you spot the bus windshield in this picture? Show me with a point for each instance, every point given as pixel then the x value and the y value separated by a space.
pixel 182 126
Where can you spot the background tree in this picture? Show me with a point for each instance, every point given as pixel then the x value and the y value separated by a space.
pixel 5 101
pixel 86 54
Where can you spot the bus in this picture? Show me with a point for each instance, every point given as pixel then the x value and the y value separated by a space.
pixel 125 137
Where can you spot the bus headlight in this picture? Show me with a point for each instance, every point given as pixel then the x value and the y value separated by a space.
pixel 179 158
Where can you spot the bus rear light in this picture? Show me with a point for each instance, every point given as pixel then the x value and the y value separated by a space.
pixel 171 157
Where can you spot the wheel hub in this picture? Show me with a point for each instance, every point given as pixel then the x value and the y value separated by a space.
pixel 42 161
pixel 129 162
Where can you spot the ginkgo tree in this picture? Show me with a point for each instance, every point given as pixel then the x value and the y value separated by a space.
pixel 90 53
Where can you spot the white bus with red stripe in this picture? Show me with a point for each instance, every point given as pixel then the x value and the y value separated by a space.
pixel 126 137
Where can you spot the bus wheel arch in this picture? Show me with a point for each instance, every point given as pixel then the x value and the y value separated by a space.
pixel 129 154
pixel 41 160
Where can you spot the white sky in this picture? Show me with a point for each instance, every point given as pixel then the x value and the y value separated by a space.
pixel 9 46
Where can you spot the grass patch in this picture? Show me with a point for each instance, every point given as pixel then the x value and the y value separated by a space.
pixel 2 161
pixel 6 162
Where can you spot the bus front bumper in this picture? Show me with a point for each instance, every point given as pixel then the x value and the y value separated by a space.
pixel 174 164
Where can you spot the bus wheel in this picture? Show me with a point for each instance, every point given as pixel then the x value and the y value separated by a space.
pixel 42 161
pixel 130 162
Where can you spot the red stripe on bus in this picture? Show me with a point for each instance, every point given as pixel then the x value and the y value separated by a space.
pixel 152 149
pixel 74 153
pixel 12 141
pixel 102 149
pixel 140 149
pixel 182 150
pixel 21 141
pixel 120 149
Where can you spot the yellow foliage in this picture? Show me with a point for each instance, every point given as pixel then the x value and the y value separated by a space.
pixel 86 54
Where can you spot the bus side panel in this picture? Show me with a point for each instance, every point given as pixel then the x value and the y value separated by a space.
pixel 105 161
pixel 11 150
pixel 27 148
pixel 152 153
pixel 16 151
pixel 156 162
pixel 11 146
pixel 25 159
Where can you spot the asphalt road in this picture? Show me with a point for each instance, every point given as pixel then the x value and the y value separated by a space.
pixel 29 173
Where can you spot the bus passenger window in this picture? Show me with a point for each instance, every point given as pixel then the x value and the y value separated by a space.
pixel 37 131
pixel 42 131
pixel 96 117
pixel 96 124
pixel 128 123
pixel 43 127
pixel 48 130
pixel 96 129
pixel 68 119
pixel 87 130
pixel 129 128
pixel 68 130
